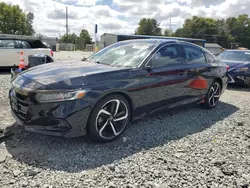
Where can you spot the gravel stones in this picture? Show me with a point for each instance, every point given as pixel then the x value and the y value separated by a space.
pixel 192 147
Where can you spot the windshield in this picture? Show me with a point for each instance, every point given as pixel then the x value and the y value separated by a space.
pixel 125 54
pixel 235 55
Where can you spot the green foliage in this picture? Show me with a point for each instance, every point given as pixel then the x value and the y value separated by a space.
pixel 80 41
pixel 14 21
pixel 168 33
pixel 148 27
pixel 84 36
pixel 72 38
pixel 234 29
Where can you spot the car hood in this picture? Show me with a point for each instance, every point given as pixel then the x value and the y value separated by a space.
pixel 236 64
pixel 70 75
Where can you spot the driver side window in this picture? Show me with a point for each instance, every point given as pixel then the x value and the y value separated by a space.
pixel 167 55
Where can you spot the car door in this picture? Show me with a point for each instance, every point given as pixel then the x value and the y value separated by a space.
pixel 165 79
pixel 27 51
pixel 198 69
pixel 9 53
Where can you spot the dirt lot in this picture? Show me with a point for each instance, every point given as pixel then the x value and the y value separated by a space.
pixel 187 148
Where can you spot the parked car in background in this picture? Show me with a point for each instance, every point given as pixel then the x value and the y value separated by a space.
pixel 239 63
pixel 121 83
pixel 10 50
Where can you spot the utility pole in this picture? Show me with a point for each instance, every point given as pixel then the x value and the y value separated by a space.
pixel 67 28
pixel 96 38
pixel 170 24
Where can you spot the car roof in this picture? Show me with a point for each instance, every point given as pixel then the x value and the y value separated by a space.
pixel 154 41
pixel 237 50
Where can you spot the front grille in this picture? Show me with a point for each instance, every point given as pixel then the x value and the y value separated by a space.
pixel 19 105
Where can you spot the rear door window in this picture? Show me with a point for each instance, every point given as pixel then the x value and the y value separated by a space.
pixel 194 55
pixel 25 45
pixel 167 55
pixel 19 44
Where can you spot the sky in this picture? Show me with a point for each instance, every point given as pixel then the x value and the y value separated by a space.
pixel 122 16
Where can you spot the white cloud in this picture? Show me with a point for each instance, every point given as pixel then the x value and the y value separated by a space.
pixel 123 16
pixel 79 2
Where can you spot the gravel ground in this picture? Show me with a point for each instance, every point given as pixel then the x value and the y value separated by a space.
pixel 192 148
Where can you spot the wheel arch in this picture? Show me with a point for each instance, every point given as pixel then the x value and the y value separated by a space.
pixel 121 93
pixel 218 80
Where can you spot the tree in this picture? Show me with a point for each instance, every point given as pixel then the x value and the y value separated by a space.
pixel 148 27
pixel 30 18
pixel 84 38
pixel 224 32
pixel 183 32
pixel 14 21
pixel 72 38
pixel 168 33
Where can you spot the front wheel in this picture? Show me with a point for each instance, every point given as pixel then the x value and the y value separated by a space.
pixel 213 95
pixel 108 119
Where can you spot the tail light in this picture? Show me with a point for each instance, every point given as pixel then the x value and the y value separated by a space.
pixel 51 53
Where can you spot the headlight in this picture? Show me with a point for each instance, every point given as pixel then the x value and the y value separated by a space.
pixel 60 96
pixel 243 69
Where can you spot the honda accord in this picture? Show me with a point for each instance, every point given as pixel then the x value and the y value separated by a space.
pixel 124 82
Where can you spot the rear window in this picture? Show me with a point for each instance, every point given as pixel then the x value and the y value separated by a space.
pixel 235 55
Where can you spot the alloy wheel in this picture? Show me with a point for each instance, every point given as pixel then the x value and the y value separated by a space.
pixel 112 119
pixel 214 94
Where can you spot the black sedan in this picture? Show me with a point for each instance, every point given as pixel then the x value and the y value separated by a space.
pixel 239 63
pixel 119 84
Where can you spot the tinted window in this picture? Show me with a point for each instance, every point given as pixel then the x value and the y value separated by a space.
pixel 125 54
pixel 210 58
pixel 25 44
pixel 7 44
pixel 19 44
pixel 235 55
pixel 170 54
pixel 194 55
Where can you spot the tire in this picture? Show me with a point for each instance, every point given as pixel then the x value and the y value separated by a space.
pixel 248 81
pixel 213 95
pixel 107 122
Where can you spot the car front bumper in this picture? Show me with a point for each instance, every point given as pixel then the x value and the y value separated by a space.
pixel 241 78
pixel 67 119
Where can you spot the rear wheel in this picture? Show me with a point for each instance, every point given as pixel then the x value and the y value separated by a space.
pixel 108 119
pixel 213 95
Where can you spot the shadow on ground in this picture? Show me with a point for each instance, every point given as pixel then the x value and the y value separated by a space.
pixel 74 155
pixel 238 87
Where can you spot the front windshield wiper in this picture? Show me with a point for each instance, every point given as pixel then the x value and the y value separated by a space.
pixel 98 62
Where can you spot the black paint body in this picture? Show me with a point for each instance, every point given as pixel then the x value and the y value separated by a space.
pixel 147 90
